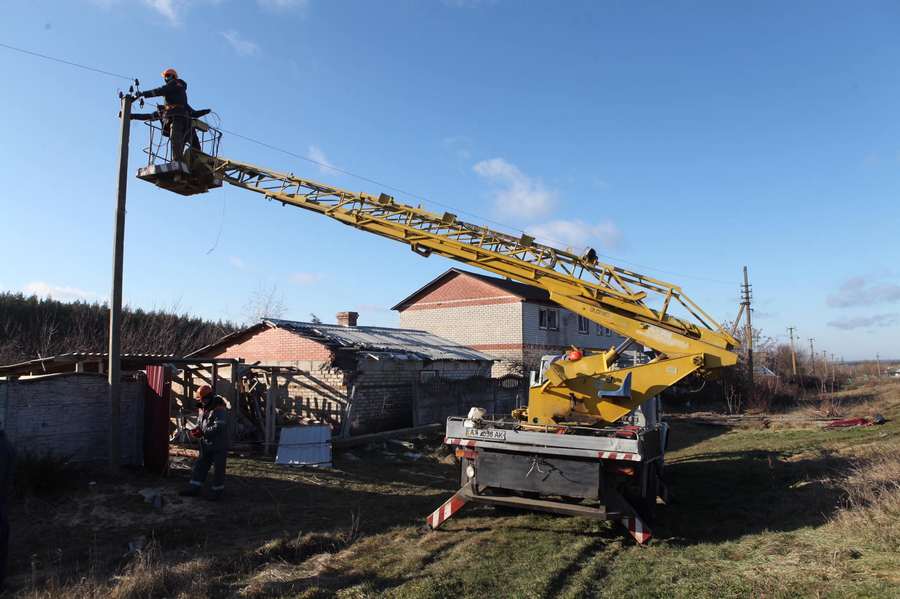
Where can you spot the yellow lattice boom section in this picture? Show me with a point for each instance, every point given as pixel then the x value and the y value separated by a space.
pixel 614 297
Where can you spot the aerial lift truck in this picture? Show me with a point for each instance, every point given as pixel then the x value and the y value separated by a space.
pixel 590 442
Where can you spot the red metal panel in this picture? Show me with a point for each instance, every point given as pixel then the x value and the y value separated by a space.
pixel 156 419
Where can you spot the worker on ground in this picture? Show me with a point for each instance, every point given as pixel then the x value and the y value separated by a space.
pixel 7 467
pixel 175 115
pixel 212 432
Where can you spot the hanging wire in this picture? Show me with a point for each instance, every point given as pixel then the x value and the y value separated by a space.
pixel 221 221
pixel 360 177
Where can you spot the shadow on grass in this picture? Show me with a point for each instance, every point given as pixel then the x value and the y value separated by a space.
pixel 725 495
pixel 262 502
pixel 686 434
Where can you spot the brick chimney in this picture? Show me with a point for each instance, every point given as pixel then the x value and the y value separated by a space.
pixel 347 319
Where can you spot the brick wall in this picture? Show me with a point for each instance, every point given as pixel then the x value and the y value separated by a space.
pixel 382 389
pixel 463 290
pixel 382 397
pixel 67 415
pixel 476 314
pixel 274 345
pixel 539 342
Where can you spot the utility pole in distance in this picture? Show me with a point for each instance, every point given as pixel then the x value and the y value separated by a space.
pixel 812 357
pixel 833 372
pixel 748 328
pixel 878 365
pixel 115 304
pixel 793 352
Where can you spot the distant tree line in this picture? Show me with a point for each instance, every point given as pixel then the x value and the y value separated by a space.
pixel 32 327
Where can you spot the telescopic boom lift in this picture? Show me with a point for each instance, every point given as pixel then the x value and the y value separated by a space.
pixel 571 395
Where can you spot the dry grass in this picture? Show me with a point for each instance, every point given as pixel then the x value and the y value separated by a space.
pixel 873 497
pixel 867 399
pixel 145 575
pixel 793 512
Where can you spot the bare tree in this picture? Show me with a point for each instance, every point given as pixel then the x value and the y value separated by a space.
pixel 264 302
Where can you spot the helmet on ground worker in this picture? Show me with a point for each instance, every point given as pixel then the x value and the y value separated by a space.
pixel 170 73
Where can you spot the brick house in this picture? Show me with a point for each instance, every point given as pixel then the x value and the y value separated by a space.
pixel 372 368
pixel 510 321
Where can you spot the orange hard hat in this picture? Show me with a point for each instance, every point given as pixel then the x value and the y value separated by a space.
pixel 171 72
pixel 574 354
pixel 203 391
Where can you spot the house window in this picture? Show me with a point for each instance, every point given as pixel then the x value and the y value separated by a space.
pixel 583 325
pixel 609 332
pixel 599 330
pixel 548 319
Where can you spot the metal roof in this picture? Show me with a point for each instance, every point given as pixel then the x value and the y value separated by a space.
pixel 382 341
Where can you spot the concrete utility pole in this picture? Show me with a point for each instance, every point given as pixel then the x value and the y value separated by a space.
pixel 812 357
pixel 833 372
pixel 748 328
pixel 115 304
pixel 793 352
pixel 878 365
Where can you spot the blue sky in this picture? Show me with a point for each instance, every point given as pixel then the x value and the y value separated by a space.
pixel 681 139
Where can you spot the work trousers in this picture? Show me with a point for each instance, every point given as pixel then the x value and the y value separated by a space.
pixel 178 136
pixel 4 541
pixel 207 459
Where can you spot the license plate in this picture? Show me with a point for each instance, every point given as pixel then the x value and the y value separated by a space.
pixel 486 433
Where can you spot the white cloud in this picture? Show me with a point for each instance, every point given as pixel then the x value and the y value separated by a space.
pixel 316 154
pixel 170 9
pixel 306 278
pixel 237 262
pixel 876 321
pixel 577 234
pixel 240 45
pixel 59 292
pixel 281 5
pixel 516 193
pixel 859 291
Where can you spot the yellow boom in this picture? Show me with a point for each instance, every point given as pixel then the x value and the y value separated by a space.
pixel 585 391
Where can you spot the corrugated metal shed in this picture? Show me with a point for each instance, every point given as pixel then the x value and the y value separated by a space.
pixel 409 344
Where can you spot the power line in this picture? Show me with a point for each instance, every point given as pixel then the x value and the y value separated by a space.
pixel 66 62
pixel 363 178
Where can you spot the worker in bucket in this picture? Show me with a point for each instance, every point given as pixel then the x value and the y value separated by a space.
pixel 212 432
pixel 175 112
pixel 7 467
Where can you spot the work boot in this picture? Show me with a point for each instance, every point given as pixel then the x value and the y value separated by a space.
pixel 191 491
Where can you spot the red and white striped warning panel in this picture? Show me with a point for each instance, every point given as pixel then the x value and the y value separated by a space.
pixel 446 511
pixel 619 455
pixel 637 528
pixel 460 442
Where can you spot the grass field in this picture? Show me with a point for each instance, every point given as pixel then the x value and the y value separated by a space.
pixel 783 511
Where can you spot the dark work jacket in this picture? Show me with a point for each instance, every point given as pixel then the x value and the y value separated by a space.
pixel 214 425
pixel 175 94
pixel 7 466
